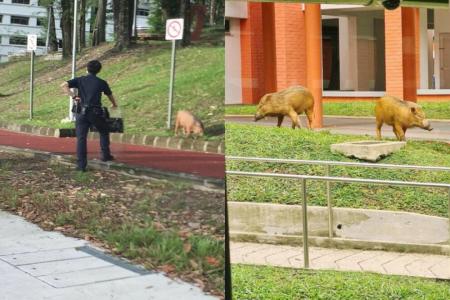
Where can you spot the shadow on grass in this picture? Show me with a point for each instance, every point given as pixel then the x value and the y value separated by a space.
pixel 215 130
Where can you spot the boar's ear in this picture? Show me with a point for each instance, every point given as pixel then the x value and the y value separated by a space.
pixel 413 110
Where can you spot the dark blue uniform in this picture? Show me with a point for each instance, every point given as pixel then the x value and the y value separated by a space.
pixel 90 89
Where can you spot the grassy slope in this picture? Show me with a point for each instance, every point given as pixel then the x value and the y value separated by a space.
pixel 433 110
pixel 275 142
pixel 251 282
pixel 138 77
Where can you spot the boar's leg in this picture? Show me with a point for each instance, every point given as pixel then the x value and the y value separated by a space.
pixel 398 130
pixel 378 130
pixel 294 117
pixel 309 114
pixel 280 120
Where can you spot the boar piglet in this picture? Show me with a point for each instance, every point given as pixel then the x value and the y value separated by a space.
pixel 189 123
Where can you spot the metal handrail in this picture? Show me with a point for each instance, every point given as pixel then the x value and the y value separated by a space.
pixel 328 179
pixel 338 163
pixel 328 164
pixel 343 179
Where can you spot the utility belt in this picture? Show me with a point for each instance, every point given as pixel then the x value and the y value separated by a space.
pixel 83 109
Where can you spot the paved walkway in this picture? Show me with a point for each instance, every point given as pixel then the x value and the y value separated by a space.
pixel 195 163
pixel 409 264
pixel 35 264
pixel 358 126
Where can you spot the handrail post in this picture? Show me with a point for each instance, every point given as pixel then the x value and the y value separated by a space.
pixel 330 208
pixel 305 225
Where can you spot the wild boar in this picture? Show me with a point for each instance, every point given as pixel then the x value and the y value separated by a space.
pixel 399 114
pixel 189 123
pixel 291 102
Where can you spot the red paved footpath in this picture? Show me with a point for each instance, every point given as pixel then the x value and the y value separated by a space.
pixel 196 163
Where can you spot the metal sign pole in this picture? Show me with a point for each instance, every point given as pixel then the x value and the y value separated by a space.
pixel 31 84
pixel 74 53
pixel 172 78
pixel 134 19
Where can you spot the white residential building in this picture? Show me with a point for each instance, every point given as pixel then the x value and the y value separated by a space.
pixel 18 18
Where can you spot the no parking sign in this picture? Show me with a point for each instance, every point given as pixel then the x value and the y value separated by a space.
pixel 174 32
pixel 174 29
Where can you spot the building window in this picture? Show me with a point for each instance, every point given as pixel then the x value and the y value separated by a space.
pixel 18 40
pixel 142 12
pixel 19 20
pixel 1 16
pixel 21 1
pixel 227 26
pixel 41 42
pixel 41 21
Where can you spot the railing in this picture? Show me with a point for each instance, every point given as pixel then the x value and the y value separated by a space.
pixel 329 179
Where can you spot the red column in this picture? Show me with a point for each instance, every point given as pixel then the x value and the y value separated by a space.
pixel 290 45
pixel 410 41
pixel 252 55
pixel 394 52
pixel 268 28
pixel 313 24
pixel 402 65
pixel 258 52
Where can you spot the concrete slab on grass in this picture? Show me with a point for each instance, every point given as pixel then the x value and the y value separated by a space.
pixel 367 150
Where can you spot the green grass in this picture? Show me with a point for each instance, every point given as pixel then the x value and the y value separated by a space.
pixel 164 247
pixel 262 141
pixel 433 110
pixel 139 78
pixel 260 283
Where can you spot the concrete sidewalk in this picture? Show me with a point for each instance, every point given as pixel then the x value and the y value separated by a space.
pixel 357 126
pixel 35 264
pixel 393 263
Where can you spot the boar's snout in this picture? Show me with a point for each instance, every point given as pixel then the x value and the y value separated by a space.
pixel 426 125
pixel 258 117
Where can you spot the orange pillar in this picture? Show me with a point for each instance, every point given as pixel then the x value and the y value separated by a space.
pixel 402 65
pixel 269 51
pixel 252 55
pixel 394 52
pixel 410 41
pixel 313 24
pixel 290 45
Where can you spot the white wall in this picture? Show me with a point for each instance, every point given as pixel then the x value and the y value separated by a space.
pixel 233 82
pixel 441 25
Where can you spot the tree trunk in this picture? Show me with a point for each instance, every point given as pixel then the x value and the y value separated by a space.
pixel 123 40
pixel 82 28
pixel 53 42
pixel 131 10
pixel 116 12
pixel 99 33
pixel 212 12
pixel 66 27
pixel 185 12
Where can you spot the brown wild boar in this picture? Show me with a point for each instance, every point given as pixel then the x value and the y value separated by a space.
pixel 189 123
pixel 291 102
pixel 399 114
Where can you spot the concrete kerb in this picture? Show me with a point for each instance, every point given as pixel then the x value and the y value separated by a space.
pixel 205 183
pixel 338 243
pixel 177 143
pixel 355 228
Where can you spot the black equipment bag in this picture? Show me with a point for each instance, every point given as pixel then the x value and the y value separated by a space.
pixel 115 124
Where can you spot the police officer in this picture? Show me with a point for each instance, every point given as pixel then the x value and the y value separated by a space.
pixel 90 112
